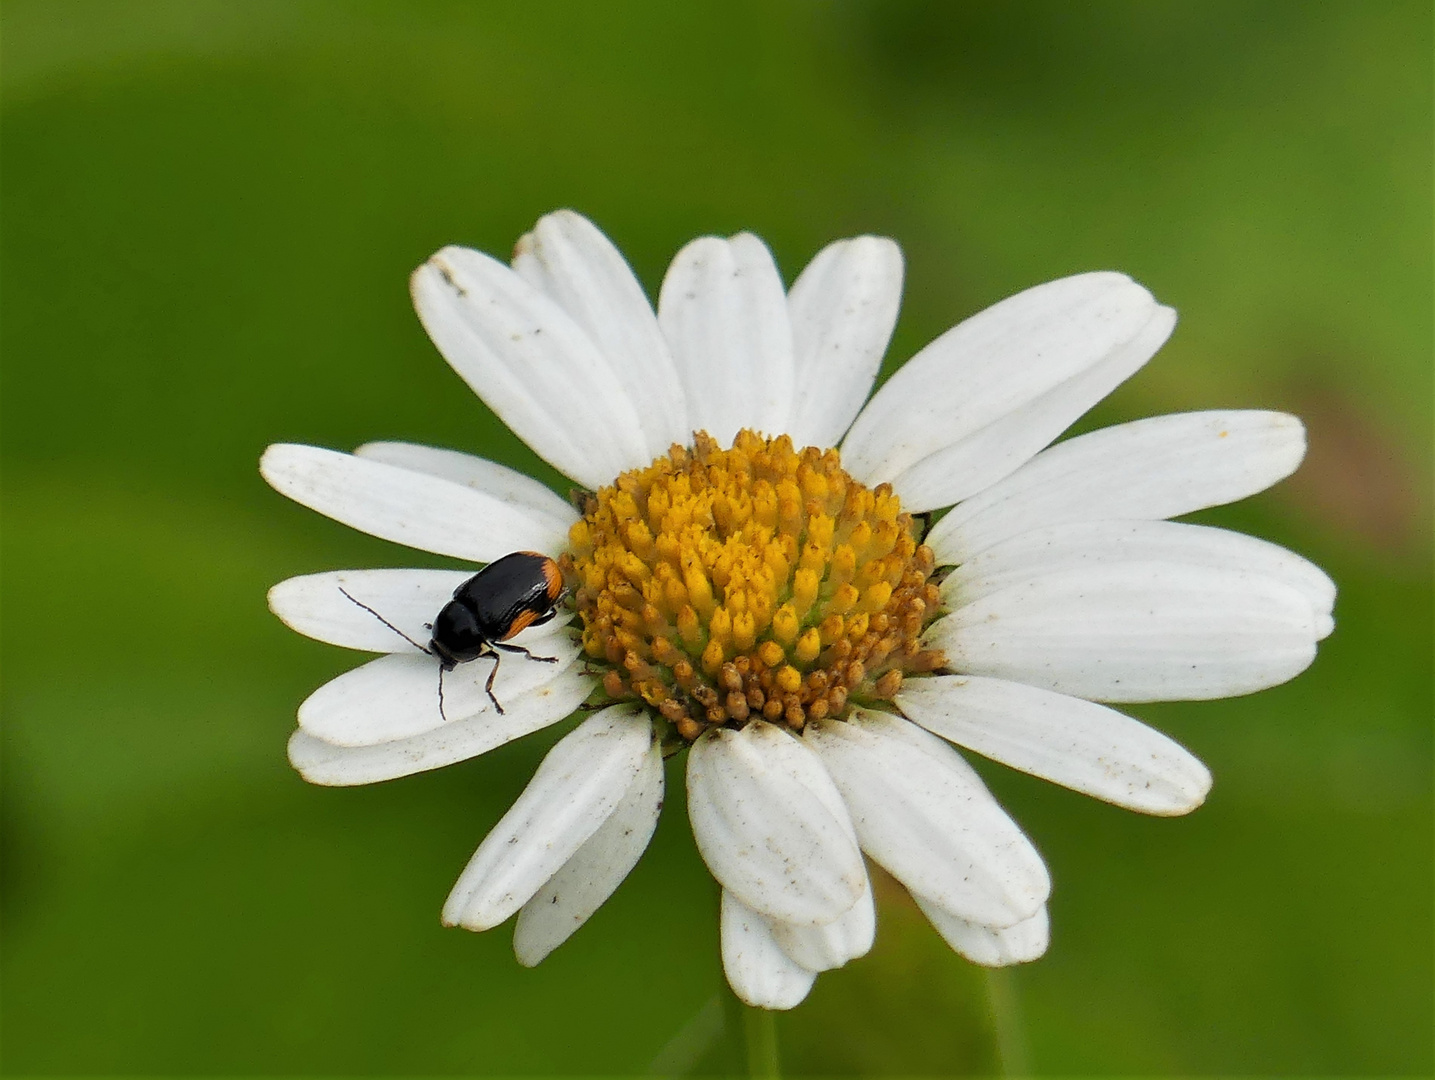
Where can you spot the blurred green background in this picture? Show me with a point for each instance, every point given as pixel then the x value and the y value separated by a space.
pixel 208 214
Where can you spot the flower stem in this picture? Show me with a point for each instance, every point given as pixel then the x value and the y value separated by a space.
pixel 1007 1026
pixel 760 1028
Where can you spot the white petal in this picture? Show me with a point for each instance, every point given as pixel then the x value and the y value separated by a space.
pixel 771 826
pixel 724 314
pixel 1089 543
pixel 320 762
pixel 578 785
pixel 1135 632
pixel 998 363
pixel 315 607
pixel 843 307
pixel 509 485
pixel 757 969
pixel 990 946
pixel 396 697
pixel 424 512
pixel 921 812
pixel 1161 467
pixel 568 258
pixel 822 948
pixel 1084 746
pixel 530 363
pixel 998 449
pixel 575 892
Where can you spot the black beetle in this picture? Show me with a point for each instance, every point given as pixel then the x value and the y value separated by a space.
pixel 507 596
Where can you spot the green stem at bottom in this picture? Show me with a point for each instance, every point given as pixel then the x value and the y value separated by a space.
pixel 760 1030
pixel 1007 1025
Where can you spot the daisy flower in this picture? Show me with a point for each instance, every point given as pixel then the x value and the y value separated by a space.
pixel 784 612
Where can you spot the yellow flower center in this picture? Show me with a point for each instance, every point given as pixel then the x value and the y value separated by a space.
pixel 719 585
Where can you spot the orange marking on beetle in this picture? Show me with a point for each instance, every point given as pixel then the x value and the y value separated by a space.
pixel 524 620
pixel 554 577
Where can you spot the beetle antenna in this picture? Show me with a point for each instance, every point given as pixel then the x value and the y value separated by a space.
pixel 394 628
pixel 443 715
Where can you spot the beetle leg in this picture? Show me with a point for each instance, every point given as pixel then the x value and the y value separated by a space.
pixel 520 649
pixel 488 686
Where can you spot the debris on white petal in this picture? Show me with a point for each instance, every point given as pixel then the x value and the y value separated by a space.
pixel 923 814
pixel 511 486
pixel 985 456
pixel 1084 544
pixel 1079 744
pixel 822 948
pixel 423 511
pixel 771 826
pixel 843 308
pixel 1161 467
pixel 1135 632
pixel 993 367
pixel 724 313
pixel 579 888
pixel 990 946
pixel 578 785
pixel 569 258
pixel 757 969
pixel 530 363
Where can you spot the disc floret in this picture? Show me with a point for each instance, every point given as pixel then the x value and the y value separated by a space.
pixel 721 585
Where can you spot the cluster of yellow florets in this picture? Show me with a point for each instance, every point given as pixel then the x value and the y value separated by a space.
pixel 721 584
